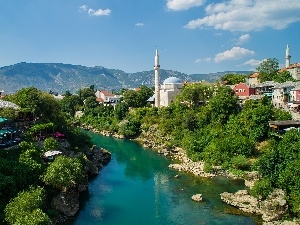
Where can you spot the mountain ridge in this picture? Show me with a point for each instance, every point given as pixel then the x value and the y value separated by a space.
pixel 60 77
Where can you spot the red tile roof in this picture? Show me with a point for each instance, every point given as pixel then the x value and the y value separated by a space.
pixel 254 75
pixel 107 93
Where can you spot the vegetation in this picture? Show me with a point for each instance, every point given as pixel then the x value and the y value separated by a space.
pixel 269 71
pixel 25 179
pixel 206 121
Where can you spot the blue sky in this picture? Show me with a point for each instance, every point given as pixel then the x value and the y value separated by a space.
pixel 192 36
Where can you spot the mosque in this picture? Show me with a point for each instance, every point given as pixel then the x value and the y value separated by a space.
pixel 165 93
pixel 294 69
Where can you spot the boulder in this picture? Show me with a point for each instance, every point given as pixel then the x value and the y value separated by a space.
pixel 197 198
pixel 67 202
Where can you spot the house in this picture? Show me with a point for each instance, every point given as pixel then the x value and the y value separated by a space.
pixel 1 93
pixel 253 79
pixel 294 70
pixel 281 94
pixel 106 97
pixel 265 88
pixel 243 91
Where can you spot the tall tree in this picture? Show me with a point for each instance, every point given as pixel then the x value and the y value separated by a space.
pixel 268 69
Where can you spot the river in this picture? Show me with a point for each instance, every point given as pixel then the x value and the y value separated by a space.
pixel 137 188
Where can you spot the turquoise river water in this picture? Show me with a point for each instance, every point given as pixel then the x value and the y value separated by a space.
pixel 137 188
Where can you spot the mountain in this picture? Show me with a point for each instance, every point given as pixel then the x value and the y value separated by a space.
pixel 60 77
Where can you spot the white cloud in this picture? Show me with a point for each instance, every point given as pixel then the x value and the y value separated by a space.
pixel 178 5
pixel 233 54
pixel 252 62
pixel 139 24
pixel 93 12
pixel 83 8
pixel 243 39
pixel 99 12
pixel 207 59
pixel 245 15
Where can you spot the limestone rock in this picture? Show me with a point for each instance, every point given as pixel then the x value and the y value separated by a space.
pixel 197 198
pixel 67 202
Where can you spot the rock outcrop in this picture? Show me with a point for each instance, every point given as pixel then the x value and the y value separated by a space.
pixel 271 209
pixel 67 202
pixel 197 198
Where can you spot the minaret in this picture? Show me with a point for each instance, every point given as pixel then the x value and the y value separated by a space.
pixel 156 72
pixel 287 57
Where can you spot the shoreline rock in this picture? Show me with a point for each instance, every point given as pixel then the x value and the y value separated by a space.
pixel 272 209
pixel 67 202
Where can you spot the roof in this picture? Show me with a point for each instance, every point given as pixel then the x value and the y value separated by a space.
pixel 284 122
pixel 254 75
pixel 52 153
pixel 107 93
pixel 6 104
pixel 172 80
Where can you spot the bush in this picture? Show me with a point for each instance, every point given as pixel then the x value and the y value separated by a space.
pixel 262 188
pixel 240 162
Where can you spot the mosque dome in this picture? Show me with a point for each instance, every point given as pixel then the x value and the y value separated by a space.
pixel 172 80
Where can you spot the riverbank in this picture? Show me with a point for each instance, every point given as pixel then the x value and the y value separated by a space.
pixel 67 202
pixel 269 209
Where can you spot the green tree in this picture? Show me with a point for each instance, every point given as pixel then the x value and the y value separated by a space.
pixel 129 128
pixel 223 104
pixel 232 79
pixel 284 76
pixel 268 69
pixel 27 207
pixel 51 144
pixel 64 172
pixel 195 94
pixel 69 104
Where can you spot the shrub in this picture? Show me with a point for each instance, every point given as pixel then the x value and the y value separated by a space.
pixel 262 188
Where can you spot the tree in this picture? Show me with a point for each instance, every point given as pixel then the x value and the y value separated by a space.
pixel 268 69
pixel 50 144
pixel 69 104
pixel 283 76
pixel 223 104
pixel 232 79
pixel 85 93
pixel 64 172
pixel 27 207
pixel 195 94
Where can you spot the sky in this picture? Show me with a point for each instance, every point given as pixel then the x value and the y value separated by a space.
pixel 192 36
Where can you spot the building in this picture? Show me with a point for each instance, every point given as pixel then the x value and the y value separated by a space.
pixel 164 94
pixel 243 91
pixel 170 88
pixel 281 94
pixel 106 97
pixel 294 69
pixel 265 88
pixel 156 81
pixel 253 79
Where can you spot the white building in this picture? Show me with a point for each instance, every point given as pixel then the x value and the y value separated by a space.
pixel 170 88
pixel 164 94
pixel 294 69
pixel 107 97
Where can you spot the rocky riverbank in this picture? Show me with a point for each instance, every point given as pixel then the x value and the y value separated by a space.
pixel 67 202
pixel 272 209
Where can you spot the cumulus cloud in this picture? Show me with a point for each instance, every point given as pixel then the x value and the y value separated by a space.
pixel 178 5
pixel 252 62
pixel 99 12
pixel 243 39
pixel 207 59
pixel 139 24
pixel 93 12
pixel 83 8
pixel 233 54
pixel 245 15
